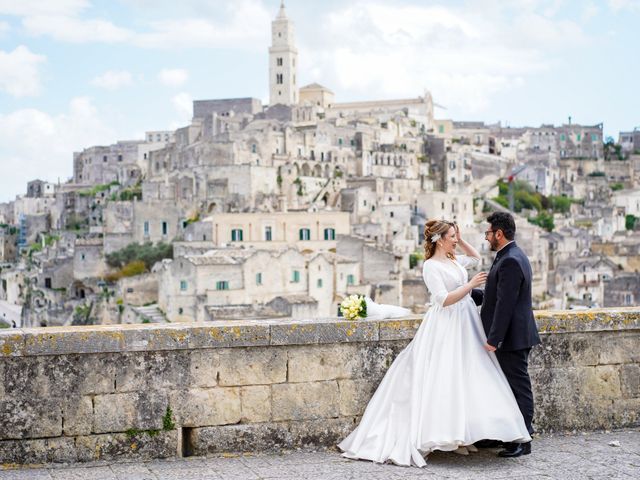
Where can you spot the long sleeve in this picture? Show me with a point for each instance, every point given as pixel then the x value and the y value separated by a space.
pixel 466 261
pixel 435 284
pixel 510 278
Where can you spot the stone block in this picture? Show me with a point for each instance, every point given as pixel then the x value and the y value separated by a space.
pixel 305 401
pixel 119 412
pixel 273 436
pixel 22 452
pixel 2 378
pixel 121 446
pixel 240 438
pixel 376 358
pixel 60 374
pixel 77 415
pixel 602 381
pixel 252 366
pixel 61 450
pixel 30 418
pixel 66 340
pixel 630 380
pixel 354 396
pixel 203 407
pixel 234 334
pixel 157 337
pixel 303 332
pixel 622 348
pixel 204 366
pixel 323 362
pixel 11 344
pixel 403 329
pixel 256 404
pixel 114 412
pixel 626 412
pixel 150 370
pixel 22 377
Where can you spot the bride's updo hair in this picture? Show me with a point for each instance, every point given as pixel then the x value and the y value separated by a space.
pixel 431 228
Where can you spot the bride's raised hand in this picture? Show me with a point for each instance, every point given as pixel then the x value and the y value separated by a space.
pixel 478 279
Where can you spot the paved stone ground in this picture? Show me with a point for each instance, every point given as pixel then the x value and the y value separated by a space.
pixel 566 457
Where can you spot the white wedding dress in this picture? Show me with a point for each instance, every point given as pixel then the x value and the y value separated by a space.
pixel 444 390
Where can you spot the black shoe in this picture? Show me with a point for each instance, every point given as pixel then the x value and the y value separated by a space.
pixel 515 450
pixel 489 444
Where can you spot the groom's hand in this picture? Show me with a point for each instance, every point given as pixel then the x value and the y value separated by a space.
pixel 489 348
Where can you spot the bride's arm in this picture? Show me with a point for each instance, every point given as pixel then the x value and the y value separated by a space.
pixel 466 247
pixel 460 292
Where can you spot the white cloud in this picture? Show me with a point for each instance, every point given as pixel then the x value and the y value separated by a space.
pixel 618 5
pixel 4 27
pixel 75 30
pixel 239 24
pixel 113 79
pixel 183 103
pixel 40 7
pixel 465 56
pixel 19 72
pixel 43 144
pixel 173 77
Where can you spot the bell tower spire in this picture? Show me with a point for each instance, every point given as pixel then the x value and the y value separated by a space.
pixel 283 58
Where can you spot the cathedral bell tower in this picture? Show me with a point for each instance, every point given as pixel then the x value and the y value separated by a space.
pixel 283 59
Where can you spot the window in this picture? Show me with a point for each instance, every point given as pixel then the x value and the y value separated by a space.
pixel 279 79
pixel 329 233
pixel 146 229
pixel 440 128
pixel 104 158
pixel 319 283
pixel 253 148
pixel 82 256
pixel 562 137
pixel 165 228
pixel 295 276
pixel 267 234
pixel 183 285
pixel 119 158
pixel 279 61
pixel 340 141
pixel 351 280
pixel 236 235
pixel 391 214
pixel 222 285
pixel 594 137
pixel 258 278
pixel 305 234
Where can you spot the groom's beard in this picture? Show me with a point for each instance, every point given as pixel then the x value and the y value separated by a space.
pixel 493 245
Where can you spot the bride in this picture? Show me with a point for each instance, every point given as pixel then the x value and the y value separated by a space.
pixel 444 391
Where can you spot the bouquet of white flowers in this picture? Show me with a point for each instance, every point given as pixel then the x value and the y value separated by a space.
pixel 353 307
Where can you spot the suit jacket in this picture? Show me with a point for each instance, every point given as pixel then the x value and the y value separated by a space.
pixel 507 314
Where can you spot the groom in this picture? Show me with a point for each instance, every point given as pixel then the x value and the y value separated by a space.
pixel 507 317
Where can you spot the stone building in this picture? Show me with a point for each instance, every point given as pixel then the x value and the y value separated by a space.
pixel 623 290
pixel 100 165
pixel 630 141
pixel 275 230
pixel 201 286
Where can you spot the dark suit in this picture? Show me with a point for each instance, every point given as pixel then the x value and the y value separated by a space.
pixel 507 318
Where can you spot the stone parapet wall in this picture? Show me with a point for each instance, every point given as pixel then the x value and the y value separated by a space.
pixel 157 391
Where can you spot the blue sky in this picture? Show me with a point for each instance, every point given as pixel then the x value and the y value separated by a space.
pixel 76 73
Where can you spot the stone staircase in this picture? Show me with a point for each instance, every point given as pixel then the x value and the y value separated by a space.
pixel 150 313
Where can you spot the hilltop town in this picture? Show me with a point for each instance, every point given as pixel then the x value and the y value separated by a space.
pixel 281 210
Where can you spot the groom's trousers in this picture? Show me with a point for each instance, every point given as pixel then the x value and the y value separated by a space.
pixel 515 364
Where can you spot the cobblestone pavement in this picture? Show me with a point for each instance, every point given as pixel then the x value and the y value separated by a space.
pixel 579 456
